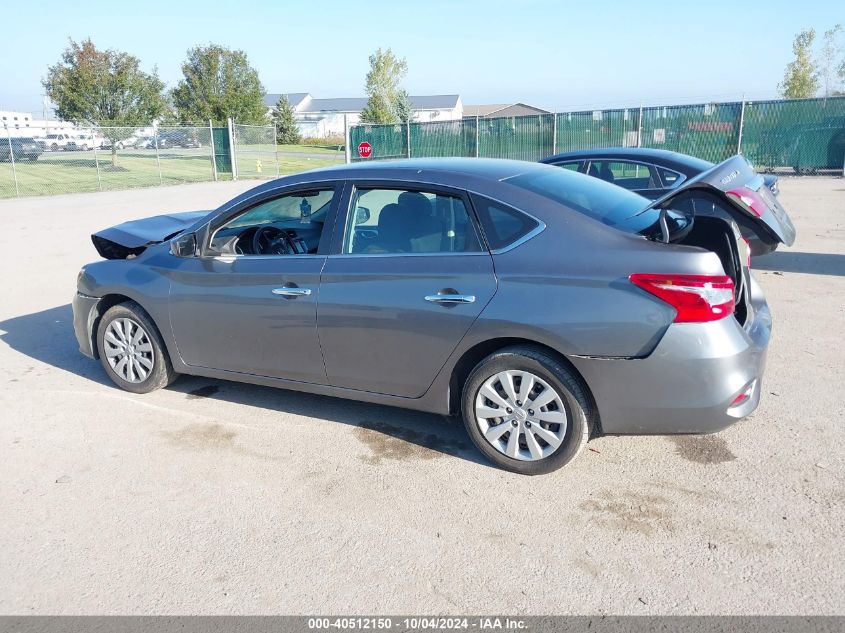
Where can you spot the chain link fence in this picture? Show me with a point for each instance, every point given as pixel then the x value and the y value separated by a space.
pixel 806 135
pixel 256 151
pixel 102 158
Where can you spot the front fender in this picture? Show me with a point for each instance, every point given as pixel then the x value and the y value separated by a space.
pixel 132 279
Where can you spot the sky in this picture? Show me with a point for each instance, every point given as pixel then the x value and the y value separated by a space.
pixel 554 54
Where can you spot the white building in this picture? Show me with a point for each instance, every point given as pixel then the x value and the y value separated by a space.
pixel 320 118
pixel 22 124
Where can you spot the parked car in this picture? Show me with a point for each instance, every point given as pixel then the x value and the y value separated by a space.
pixel 22 148
pixel 653 173
pixel 145 142
pixel 178 138
pixel 59 142
pixel 127 142
pixel 542 305
pixel 90 140
pixel 84 142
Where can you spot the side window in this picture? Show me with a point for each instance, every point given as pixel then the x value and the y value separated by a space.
pixel 405 221
pixel 627 174
pixel 502 225
pixel 290 224
pixel 671 179
pixel 571 165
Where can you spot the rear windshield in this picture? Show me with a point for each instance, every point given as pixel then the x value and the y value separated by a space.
pixel 694 163
pixel 595 198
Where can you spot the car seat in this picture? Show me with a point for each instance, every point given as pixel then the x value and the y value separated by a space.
pixel 605 173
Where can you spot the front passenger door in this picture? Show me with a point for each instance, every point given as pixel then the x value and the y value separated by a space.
pixel 409 277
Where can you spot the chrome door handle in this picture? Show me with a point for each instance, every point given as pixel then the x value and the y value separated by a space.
pixel 292 292
pixel 450 298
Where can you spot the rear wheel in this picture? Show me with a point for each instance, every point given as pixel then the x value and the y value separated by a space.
pixel 131 349
pixel 526 411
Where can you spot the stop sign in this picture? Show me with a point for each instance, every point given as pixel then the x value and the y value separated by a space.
pixel 365 150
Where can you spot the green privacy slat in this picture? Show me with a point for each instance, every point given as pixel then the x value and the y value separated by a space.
pixel 387 141
pixel 805 134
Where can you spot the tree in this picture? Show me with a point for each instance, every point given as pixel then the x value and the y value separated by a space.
pixel 830 62
pixel 108 88
pixel 377 110
pixel 403 108
pixel 800 79
pixel 286 130
pixel 382 87
pixel 219 83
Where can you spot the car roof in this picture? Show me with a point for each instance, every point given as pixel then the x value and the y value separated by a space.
pixel 660 156
pixel 483 168
pixel 471 174
pixel 444 171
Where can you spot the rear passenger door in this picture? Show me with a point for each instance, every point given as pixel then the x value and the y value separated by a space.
pixel 406 278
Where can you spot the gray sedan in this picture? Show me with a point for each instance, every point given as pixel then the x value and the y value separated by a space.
pixel 543 306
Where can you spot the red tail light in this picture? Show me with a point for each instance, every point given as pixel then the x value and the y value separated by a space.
pixel 697 298
pixel 749 200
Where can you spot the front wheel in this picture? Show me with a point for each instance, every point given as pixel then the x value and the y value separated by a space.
pixel 132 351
pixel 526 411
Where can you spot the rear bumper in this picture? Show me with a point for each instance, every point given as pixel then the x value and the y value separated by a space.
pixel 690 380
pixel 84 317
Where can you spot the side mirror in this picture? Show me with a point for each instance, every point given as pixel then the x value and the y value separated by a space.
pixel 184 245
pixel 362 214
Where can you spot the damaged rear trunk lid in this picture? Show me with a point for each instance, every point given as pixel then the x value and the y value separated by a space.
pixel 673 219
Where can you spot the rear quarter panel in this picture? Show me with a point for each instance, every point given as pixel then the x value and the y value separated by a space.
pixel 568 288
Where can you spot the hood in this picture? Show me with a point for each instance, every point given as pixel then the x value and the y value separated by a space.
pixel 131 238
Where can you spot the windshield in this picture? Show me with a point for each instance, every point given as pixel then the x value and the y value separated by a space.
pixel 595 198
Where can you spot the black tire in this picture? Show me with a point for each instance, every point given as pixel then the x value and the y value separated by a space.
pixel 550 369
pixel 161 374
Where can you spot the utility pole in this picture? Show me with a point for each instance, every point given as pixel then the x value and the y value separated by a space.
pixel 347 153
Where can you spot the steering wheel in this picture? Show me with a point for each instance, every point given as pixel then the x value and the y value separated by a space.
pixel 268 240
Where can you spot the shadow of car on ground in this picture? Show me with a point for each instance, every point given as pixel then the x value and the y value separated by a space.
pixel 48 337
pixel 797 262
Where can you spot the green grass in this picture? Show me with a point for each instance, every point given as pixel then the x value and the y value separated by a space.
pixel 73 172
pixel 331 150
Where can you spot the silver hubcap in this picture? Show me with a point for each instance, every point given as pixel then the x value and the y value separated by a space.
pixel 520 415
pixel 128 350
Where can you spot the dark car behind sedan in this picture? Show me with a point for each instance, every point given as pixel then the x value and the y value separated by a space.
pixel 653 173
pixel 21 148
